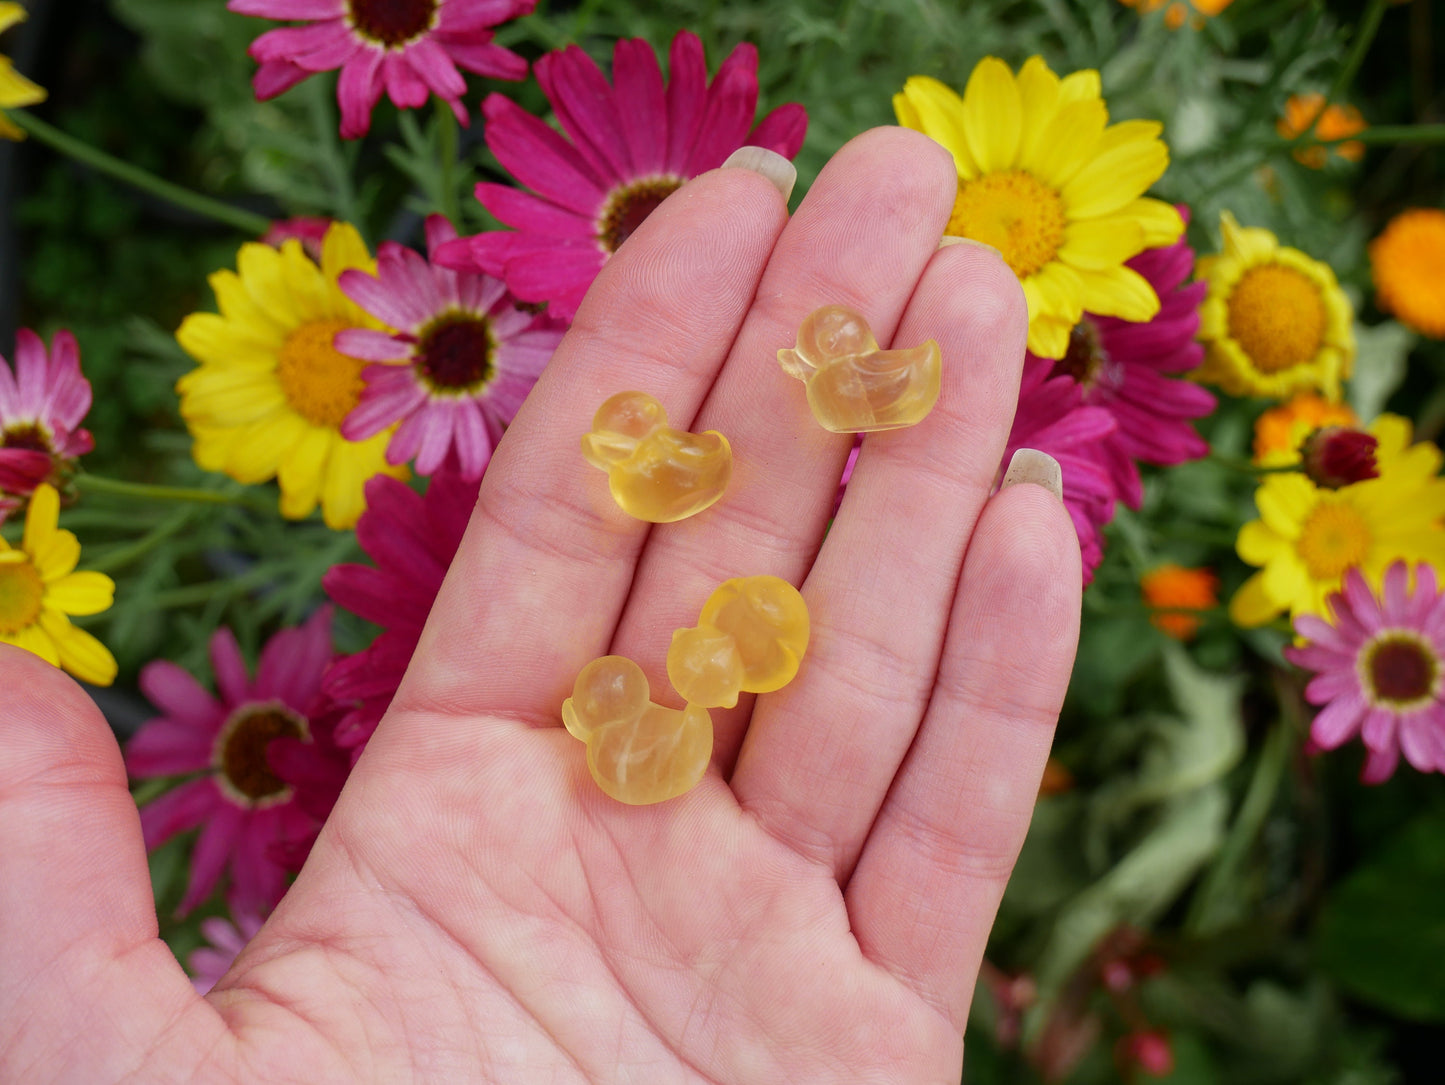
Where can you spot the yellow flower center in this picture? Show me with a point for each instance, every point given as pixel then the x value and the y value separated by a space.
pixel 1399 669
pixel 1333 537
pixel 239 755
pixel 626 207
pixel 1277 317
pixel 1014 212
pixel 21 593
pixel 321 384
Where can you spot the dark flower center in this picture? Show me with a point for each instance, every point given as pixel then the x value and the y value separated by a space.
pixel 241 752
pixel 1403 670
pixel 392 22
pixel 629 205
pixel 27 436
pixel 455 353
pixel 1086 360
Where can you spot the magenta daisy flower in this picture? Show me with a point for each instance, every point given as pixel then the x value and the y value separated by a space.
pixel 41 406
pixel 243 808
pixel 462 360
pixel 1380 670
pixel 1052 417
pixel 408 48
pixel 630 144
pixel 226 940
pixel 1128 369
pixel 412 539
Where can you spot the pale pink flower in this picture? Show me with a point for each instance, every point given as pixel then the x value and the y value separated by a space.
pixel 1380 670
pixel 463 358
pixel 226 940
pixel 42 404
pixel 410 49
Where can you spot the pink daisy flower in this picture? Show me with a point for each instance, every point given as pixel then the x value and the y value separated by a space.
pixel 1052 417
pixel 1380 670
pixel 463 358
pixel 41 406
pixel 629 145
pixel 226 940
pixel 1126 368
pixel 408 48
pixel 412 539
pixel 239 802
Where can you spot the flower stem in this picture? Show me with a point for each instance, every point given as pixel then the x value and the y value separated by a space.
pixel 124 555
pixel 332 155
pixel 447 158
pixel 246 221
pixel 1249 467
pixel 147 492
pixel 1364 37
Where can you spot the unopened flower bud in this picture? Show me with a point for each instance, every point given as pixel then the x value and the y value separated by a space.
pixel 1336 456
pixel 1149 1052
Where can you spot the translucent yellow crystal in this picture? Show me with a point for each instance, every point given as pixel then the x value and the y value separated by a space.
pixel 656 473
pixel 750 638
pixel 853 387
pixel 637 751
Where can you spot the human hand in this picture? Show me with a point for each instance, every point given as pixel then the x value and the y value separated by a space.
pixel 475 908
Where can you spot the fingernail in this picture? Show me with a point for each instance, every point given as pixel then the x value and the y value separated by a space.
pixel 1031 465
pixel 770 164
pixel 954 239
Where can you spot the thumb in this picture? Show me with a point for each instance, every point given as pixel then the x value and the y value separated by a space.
pixel 86 986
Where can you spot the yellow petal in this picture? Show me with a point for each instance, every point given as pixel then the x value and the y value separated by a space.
pixel 1257 544
pixel 1080 85
pixel 1067 143
pixel 1119 291
pixel 1285 501
pixel 1285 580
pixel 300 473
pixel 243 311
pixel 1249 245
pixel 259 449
pixel 992 115
pixel 81 593
pixel 1049 338
pixel 1101 243
pixel 1039 95
pixel 218 340
pixel 341 249
pixel 1162 223
pixel 1250 606
pixel 15 89
pixel 1115 177
pixel 80 653
pixel 41 518
pixel 1061 293
pixel 939 113
pixel 33 639
pixel 264 274
pixel 10 14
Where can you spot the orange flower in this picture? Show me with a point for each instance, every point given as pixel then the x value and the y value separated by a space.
pixel 1279 431
pixel 1172 588
pixel 1408 264
pixel 1179 10
pixel 1302 112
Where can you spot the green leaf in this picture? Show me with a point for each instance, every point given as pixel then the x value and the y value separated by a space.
pixel 1382 932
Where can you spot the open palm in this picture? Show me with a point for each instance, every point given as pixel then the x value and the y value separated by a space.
pixel 476 909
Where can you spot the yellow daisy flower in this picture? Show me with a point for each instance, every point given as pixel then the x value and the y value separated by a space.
pixel 1045 179
pixel 1408 264
pixel 39 588
pixel 15 89
pixel 1274 322
pixel 271 392
pixel 1306 536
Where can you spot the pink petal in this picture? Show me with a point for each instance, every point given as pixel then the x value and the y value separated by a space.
pixel 370 345
pixel 686 98
pixel 436 420
pixel 177 694
pixel 229 668
pixel 469 434
pixel 531 213
pixel 782 130
pixel 257 881
pixel 176 811
pixel 429 61
pixel 540 158
pixel 293 659
pixel 276 77
pixel 31 368
pixel 358 90
pixel 583 102
pixel 288 9
pixel 1380 765
pixel 640 98
pixel 488 59
pixel 732 102
pixel 214 847
pixel 404 84
pixel 1337 721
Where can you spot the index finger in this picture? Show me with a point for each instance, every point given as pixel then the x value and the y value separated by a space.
pixel 538 583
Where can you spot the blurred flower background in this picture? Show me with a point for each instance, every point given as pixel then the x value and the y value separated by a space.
pixel 237 449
